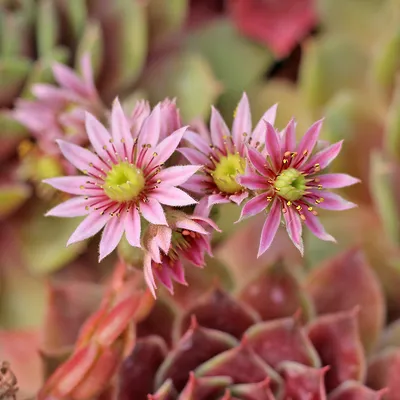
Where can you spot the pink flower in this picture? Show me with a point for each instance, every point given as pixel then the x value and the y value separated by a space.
pixel 59 112
pixel 223 155
pixel 288 180
pixel 125 179
pixel 185 237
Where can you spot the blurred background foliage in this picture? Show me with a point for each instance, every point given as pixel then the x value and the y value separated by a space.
pixel 338 59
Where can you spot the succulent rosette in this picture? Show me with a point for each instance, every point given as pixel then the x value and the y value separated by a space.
pixel 223 155
pixel 239 347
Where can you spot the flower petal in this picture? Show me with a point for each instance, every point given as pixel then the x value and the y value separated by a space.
pixel 71 208
pixel 163 275
pixel 307 143
pixel 150 132
pixel 73 185
pixel 132 227
pixel 333 201
pixel 120 130
pixel 166 148
pixel 175 176
pixel 172 196
pixel 314 225
pixel 272 146
pixel 78 156
pixel 197 184
pixel 238 197
pixel 87 72
pixel 190 225
pixel 153 212
pixel 324 157
pixel 289 137
pixel 198 142
pixel 254 206
pixel 253 181
pixel 258 161
pixel 217 199
pixel 68 79
pixel 336 181
pixel 92 224
pixel 148 274
pixel 98 136
pixel 242 122
pixel 111 236
pixel 294 228
pixel 259 131
pixel 194 156
pixel 270 227
pixel 218 129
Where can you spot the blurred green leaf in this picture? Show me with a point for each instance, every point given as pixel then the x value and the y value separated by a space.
pixel 382 188
pixel 47 28
pixel 392 136
pixel 41 71
pixel 12 196
pixel 236 61
pixel 75 12
pixel 91 42
pixel 330 65
pixel 187 77
pixel 166 17
pixel 13 72
pixel 10 128
pixel 44 241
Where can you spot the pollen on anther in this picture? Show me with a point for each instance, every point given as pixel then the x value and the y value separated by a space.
pixel 111 140
pixel 90 164
pixel 155 154
pixel 298 208
pixel 309 208
pixel 319 187
pixel 81 187
pixel 305 152
pixel 87 208
pixel 105 147
pixel 289 203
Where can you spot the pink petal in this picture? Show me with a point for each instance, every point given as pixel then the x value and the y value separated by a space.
pixel 67 78
pixel 111 236
pixel 258 161
pixel 140 112
pixel 218 129
pixel 272 146
pixel 314 225
pixel 175 176
pixel 270 228
pixel 190 225
pixel 87 72
pixel 166 148
pixel 238 198
pixel 333 201
pixel 294 228
pixel 324 157
pixel 336 181
pixel 120 130
pixel 194 156
pixel 289 137
pixel 150 132
pixel 172 196
pixel 198 142
pixel 163 275
pixel 198 184
pixel 98 135
pixel 253 181
pixel 148 274
pixel 202 208
pixel 178 273
pixel 308 142
pixel 163 238
pixel 73 185
pixel 242 122
pixel 71 208
pixel 78 156
pixel 259 131
pixel 207 220
pixel 132 227
pixel 254 206
pixel 217 199
pixel 153 212
pixel 92 224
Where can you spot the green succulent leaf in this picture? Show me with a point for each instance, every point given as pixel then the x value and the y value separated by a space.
pixel 76 13
pixel 91 42
pixel 44 242
pixel 10 128
pixel 13 72
pixel 12 196
pixel 47 29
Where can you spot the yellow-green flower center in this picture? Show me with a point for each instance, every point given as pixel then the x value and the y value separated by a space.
pixel 124 182
pixel 226 171
pixel 291 184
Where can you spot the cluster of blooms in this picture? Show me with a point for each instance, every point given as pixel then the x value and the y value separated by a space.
pixel 132 184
